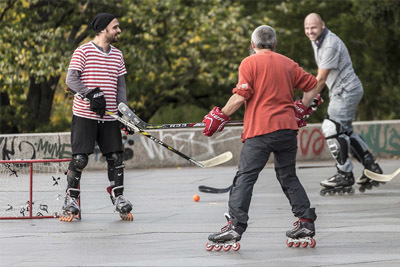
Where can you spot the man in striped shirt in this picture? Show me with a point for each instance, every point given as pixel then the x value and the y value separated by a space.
pixel 97 71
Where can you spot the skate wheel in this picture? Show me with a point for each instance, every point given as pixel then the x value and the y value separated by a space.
pixel 126 217
pixel 362 189
pixel 322 193
pixel 209 247
pixel 289 244
pixel 217 247
pixel 331 193
pixel 68 218
pixel 341 193
pixel 227 247
pixel 236 246
pixel 297 244
pixel 304 244
pixel 313 243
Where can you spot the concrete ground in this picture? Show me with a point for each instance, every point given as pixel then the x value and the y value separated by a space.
pixel 170 229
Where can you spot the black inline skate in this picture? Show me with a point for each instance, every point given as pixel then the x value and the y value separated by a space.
pixel 226 239
pixel 71 207
pixel 340 183
pixel 302 234
pixel 369 164
pixel 122 205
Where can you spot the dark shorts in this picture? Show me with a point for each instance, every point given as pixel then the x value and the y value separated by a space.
pixel 86 132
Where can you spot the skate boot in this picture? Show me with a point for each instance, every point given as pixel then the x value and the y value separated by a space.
pixel 71 206
pixel 109 188
pixel 302 234
pixel 369 164
pixel 340 183
pixel 122 205
pixel 228 238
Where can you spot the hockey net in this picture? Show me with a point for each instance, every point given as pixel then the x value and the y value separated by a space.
pixel 32 189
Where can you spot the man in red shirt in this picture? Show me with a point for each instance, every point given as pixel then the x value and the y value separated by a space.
pixel 266 85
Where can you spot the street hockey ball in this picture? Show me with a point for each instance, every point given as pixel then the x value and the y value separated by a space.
pixel 196 198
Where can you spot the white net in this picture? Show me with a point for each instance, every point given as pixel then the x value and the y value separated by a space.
pixel 47 188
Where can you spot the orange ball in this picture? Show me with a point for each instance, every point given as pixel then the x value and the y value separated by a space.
pixel 196 198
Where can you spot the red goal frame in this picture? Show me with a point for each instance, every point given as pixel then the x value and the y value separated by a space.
pixel 31 174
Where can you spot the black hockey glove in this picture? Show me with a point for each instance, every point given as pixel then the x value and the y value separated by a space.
pixel 97 101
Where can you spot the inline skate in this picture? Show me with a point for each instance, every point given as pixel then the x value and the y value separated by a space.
pixel 71 207
pixel 122 205
pixel 226 239
pixel 302 234
pixel 364 182
pixel 340 183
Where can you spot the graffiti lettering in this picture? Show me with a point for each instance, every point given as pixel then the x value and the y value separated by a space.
pixel 381 138
pixel 318 142
pixel 53 150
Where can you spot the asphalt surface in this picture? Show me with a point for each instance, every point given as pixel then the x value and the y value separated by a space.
pixel 170 229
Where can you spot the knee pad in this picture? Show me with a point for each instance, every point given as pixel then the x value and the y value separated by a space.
pixel 338 142
pixel 115 168
pixel 78 162
pixel 76 165
pixel 331 128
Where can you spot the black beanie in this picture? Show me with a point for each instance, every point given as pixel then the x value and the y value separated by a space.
pixel 101 21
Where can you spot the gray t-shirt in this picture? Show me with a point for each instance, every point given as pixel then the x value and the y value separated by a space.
pixel 333 54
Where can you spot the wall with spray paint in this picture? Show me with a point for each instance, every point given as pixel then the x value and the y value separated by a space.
pixel 383 139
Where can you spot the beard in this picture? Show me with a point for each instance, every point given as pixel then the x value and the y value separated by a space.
pixel 111 38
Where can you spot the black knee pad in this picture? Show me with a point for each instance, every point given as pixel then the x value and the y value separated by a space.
pixel 78 162
pixel 115 168
pixel 76 165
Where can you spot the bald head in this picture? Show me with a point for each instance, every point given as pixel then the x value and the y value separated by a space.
pixel 313 26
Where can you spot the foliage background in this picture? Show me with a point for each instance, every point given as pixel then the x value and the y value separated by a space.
pixel 182 55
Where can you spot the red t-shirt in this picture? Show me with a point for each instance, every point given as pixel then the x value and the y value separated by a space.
pixel 267 80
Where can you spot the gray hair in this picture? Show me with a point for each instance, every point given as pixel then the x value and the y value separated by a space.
pixel 263 37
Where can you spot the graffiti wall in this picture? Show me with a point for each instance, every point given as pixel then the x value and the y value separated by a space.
pixel 383 139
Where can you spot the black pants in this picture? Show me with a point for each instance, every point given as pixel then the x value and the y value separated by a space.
pixel 254 155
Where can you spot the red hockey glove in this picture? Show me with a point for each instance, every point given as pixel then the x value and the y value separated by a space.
pixel 318 100
pixel 301 113
pixel 215 121
pixel 301 122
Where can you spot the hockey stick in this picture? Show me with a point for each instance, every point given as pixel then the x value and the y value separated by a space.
pixel 147 126
pixel 224 157
pixel 381 177
pixel 212 190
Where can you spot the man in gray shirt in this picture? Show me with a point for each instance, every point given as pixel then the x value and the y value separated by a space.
pixel 335 70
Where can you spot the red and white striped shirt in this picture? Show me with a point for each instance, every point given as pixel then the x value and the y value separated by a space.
pixel 98 69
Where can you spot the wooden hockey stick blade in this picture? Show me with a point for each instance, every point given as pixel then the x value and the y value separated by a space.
pixel 224 157
pixel 212 190
pixel 381 177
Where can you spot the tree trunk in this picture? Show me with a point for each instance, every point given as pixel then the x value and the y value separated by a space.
pixel 39 102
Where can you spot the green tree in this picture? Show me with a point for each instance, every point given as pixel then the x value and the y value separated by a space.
pixel 182 55
pixel 182 52
pixel 37 38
